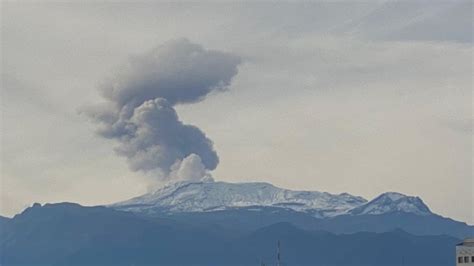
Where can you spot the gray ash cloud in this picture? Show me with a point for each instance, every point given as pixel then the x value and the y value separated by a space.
pixel 139 108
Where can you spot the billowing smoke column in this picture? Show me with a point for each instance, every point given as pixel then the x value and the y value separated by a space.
pixel 139 110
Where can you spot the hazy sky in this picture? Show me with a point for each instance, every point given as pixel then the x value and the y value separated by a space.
pixel 357 97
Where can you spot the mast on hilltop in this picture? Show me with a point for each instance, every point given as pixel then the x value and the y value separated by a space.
pixel 278 254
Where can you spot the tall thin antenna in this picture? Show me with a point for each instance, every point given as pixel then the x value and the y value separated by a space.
pixel 278 254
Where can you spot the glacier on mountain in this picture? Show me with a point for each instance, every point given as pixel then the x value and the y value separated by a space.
pixel 391 202
pixel 188 196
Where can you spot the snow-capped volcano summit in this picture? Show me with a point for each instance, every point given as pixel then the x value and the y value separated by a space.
pixel 212 196
pixel 393 202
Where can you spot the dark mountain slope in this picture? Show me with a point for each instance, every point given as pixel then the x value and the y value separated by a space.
pixel 300 247
pixel 411 223
pixel 69 234
pixel 247 219
pixel 3 221
pixel 56 232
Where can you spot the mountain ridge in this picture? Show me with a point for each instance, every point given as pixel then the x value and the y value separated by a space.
pixel 391 202
pixel 213 196
pixel 70 234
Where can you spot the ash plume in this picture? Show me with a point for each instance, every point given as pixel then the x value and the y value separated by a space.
pixel 139 109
